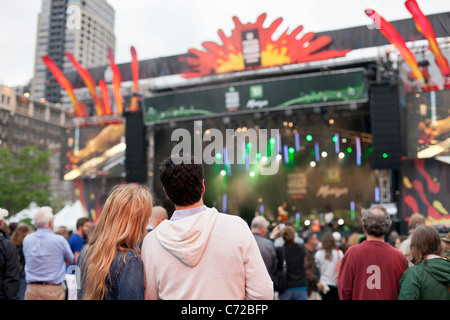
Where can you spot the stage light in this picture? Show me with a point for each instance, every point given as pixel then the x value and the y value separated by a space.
pixel 341 155
pixel 309 137
pixel 258 155
pixel 264 159
pixel 324 154
pixel 272 140
pixel 340 222
pixel 252 173
pixel 385 155
pixel 312 164
pixel 223 172
pixel 307 222
pixel 279 157
pixel 218 155
pixel 349 150
pixel 291 150
pixel 249 145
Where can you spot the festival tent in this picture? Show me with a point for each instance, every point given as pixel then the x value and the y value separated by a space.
pixel 69 215
pixel 27 213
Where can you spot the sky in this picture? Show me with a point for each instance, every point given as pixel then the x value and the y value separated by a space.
pixel 158 28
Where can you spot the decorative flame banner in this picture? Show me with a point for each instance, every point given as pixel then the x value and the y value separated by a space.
pixel 105 97
pixel 135 73
pixel 79 108
pixel 424 26
pixel 389 31
pixel 231 56
pixel 89 82
pixel 117 79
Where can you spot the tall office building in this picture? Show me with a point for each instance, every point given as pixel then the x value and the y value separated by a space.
pixel 83 28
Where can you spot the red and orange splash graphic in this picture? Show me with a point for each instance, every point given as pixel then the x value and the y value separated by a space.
pixel 395 38
pixel 135 74
pixel 287 49
pixel 89 82
pixel 424 26
pixel 117 80
pixel 79 108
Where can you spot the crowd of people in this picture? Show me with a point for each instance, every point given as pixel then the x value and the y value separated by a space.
pixel 135 252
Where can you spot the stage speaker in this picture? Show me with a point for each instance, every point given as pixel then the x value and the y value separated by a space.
pixel 384 119
pixel 136 148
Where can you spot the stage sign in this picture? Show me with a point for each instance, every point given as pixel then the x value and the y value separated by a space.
pixel 319 89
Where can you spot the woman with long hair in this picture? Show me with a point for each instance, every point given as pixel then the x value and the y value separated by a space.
pixel 327 260
pixel 429 277
pixel 294 256
pixel 110 263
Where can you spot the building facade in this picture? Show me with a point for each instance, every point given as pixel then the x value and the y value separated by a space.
pixel 83 28
pixel 25 122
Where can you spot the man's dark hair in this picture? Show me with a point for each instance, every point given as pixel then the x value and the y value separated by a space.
pixel 182 181
pixel 82 221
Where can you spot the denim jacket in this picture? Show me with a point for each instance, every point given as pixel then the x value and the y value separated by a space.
pixel 125 280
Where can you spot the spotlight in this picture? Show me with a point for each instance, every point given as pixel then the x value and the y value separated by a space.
pixel 223 172
pixel 312 164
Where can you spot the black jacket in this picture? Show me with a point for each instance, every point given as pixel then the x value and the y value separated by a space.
pixel 295 261
pixel 9 269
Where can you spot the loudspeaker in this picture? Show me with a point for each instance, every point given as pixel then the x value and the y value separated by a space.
pixel 384 119
pixel 136 148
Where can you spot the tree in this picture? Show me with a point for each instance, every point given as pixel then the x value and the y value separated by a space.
pixel 24 178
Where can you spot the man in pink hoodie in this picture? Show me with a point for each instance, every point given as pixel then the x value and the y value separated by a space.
pixel 200 254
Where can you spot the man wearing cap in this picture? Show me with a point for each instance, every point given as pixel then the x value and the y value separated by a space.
pixel 9 265
pixel 46 254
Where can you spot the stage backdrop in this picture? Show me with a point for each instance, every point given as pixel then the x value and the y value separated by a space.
pixel 424 189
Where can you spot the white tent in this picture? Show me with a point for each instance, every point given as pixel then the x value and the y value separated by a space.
pixel 24 214
pixel 69 215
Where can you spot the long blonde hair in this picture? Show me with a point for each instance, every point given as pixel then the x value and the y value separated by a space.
pixel 122 226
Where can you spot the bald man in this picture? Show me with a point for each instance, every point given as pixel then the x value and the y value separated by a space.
pixel 158 215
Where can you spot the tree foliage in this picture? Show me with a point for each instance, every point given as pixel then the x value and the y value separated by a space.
pixel 24 178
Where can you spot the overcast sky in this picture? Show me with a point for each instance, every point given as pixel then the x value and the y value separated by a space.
pixel 168 27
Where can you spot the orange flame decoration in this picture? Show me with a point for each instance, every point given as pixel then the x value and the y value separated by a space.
pixel 285 50
pixel 105 97
pixel 424 26
pixel 117 79
pixel 135 74
pixel 79 108
pixel 389 31
pixel 89 82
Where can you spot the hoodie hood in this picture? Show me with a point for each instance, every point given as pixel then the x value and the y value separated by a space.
pixel 186 239
pixel 439 269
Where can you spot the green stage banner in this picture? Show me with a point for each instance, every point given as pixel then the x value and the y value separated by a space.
pixel 318 89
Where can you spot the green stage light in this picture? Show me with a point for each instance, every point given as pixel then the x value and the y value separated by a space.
pixel 291 150
pixel 249 145
pixel 309 137
pixel 334 139
pixel 349 150
pixel 218 155
pixel 258 155
pixel 272 140
pixel 385 155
